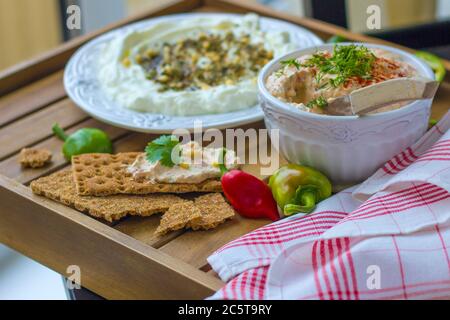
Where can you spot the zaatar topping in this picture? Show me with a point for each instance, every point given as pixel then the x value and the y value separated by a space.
pixel 205 61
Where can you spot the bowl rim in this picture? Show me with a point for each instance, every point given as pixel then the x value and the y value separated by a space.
pixel 421 66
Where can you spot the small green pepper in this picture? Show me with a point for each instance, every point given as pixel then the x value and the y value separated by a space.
pixel 337 39
pixel 432 122
pixel 298 188
pixel 86 140
pixel 435 63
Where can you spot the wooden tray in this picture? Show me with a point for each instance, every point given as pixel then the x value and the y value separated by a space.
pixel 122 260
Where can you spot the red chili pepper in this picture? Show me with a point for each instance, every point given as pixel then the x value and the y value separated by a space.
pixel 249 196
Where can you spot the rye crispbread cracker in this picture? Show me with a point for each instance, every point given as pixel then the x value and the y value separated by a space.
pixel 179 216
pixel 206 212
pixel 215 210
pixel 60 187
pixel 106 174
pixel 34 158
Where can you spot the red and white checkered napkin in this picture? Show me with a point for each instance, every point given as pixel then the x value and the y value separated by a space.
pixel 394 245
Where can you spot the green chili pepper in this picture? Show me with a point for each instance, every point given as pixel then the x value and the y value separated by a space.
pixel 432 122
pixel 86 140
pixel 298 188
pixel 435 63
pixel 337 38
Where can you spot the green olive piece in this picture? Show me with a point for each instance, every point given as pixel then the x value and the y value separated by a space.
pixel 86 140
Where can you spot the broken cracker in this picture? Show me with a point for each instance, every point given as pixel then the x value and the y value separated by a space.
pixel 106 174
pixel 60 187
pixel 179 216
pixel 34 158
pixel 206 212
pixel 215 210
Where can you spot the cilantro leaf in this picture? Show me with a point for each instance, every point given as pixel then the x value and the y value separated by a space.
pixel 320 102
pixel 291 62
pixel 161 150
pixel 222 165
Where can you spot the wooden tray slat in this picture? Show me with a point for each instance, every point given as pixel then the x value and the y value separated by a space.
pixel 38 126
pixel 194 247
pixel 441 103
pixel 31 98
pixel 143 229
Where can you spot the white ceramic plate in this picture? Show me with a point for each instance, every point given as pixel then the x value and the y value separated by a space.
pixel 82 85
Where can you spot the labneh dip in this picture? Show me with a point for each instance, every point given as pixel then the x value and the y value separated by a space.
pixel 191 66
pixel 312 81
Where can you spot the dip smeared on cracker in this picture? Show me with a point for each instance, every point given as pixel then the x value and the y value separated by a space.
pixel 102 174
pixel 168 161
pixel 312 81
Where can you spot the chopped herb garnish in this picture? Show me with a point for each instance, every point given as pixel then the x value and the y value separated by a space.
pixel 320 102
pixel 161 150
pixel 345 62
pixel 279 73
pixel 291 62
pixel 222 166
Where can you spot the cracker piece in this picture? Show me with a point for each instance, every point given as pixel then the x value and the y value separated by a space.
pixel 179 216
pixel 215 211
pixel 106 174
pixel 60 187
pixel 34 157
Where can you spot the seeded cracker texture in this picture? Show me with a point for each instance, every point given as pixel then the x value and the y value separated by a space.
pixel 106 174
pixel 215 210
pixel 34 158
pixel 60 187
pixel 179 216
pixel 206 212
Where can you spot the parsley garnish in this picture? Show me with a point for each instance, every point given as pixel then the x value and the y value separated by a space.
pixel 291 62
pixel 346 62
pixel 161 150
pixel 222 166
pixel 320 102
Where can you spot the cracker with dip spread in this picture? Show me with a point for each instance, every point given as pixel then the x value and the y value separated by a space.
pixel 60 187
pixel 105 174
pixel 167 166
pixel 113 186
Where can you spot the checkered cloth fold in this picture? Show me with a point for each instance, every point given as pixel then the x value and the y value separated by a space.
pixel 388 238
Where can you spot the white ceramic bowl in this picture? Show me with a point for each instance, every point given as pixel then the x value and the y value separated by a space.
pixel 348 149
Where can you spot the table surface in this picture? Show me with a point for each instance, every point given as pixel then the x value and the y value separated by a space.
pixel 123 259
